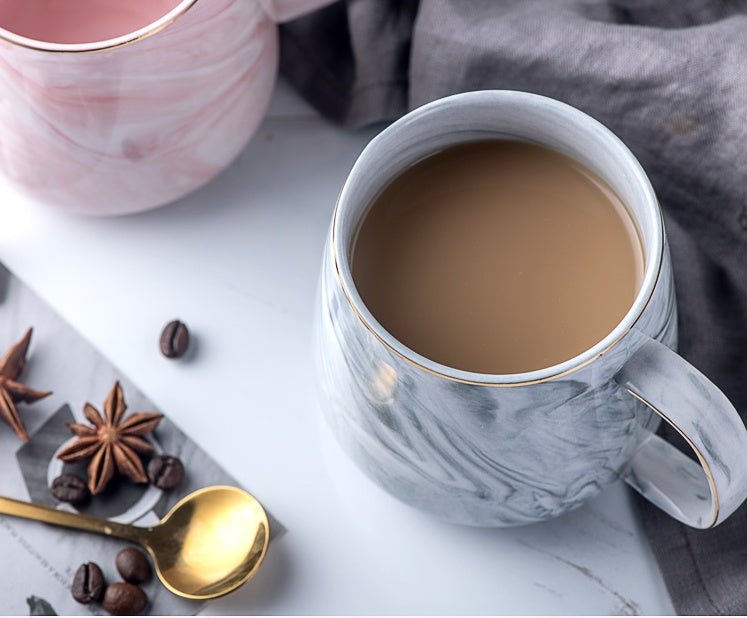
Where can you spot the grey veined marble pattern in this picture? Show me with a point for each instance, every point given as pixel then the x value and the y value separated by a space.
pixel 474 454
pixel 503 454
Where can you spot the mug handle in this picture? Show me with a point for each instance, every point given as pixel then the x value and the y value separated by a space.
pixel 286 10
pixel 708 422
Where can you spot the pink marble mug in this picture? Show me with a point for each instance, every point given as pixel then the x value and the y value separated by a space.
pixel 113 116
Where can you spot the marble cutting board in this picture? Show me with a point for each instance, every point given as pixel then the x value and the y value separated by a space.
pixel 37 561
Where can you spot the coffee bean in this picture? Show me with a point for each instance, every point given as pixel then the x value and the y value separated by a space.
pixel 174 340
pixel 124 600
pixel 133 566
pixel 39 607
pixel 88 583
pixel 165 471
pixel 70 488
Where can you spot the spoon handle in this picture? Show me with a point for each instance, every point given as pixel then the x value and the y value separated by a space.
pixel 37 512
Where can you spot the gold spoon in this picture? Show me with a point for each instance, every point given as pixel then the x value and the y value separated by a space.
pixel 213 540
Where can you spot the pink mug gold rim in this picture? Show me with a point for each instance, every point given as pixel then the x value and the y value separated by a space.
pixel 97 46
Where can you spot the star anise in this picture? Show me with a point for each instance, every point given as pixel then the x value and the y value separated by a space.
pixel 113 444
pixel 12 391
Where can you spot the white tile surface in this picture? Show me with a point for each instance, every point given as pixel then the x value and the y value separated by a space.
pixel 238 262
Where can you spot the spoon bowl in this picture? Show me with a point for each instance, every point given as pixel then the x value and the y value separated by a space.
pixel 210 543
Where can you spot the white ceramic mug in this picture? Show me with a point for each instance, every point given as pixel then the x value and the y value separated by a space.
pixel 499 450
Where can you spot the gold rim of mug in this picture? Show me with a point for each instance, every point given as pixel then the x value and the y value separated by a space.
pixel 446 376
pixel 99 46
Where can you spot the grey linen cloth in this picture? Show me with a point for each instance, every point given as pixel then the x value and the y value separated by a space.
pixel 670 78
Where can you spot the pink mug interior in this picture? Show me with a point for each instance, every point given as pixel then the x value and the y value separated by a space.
pixel 80 21
pixel 87 21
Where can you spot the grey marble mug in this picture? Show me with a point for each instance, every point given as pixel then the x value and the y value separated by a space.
pixel 503 450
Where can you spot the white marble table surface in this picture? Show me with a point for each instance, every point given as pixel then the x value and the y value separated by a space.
pixel 238 262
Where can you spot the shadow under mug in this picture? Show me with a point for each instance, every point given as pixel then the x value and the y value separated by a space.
pixel 134 122
pixel 502 450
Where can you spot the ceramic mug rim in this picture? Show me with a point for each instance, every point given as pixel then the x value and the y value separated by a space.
pixel 106 44
pixel 654 248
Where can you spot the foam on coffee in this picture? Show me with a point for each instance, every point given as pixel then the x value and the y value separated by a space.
pixel 498 257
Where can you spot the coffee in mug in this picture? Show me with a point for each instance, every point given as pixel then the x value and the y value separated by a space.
pixel 498 257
